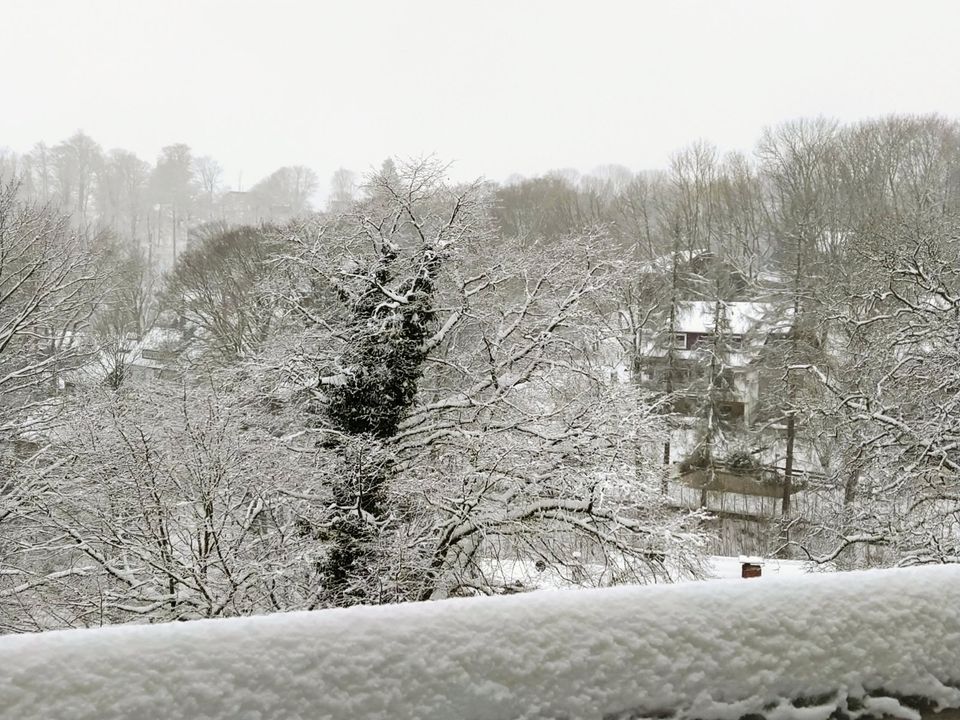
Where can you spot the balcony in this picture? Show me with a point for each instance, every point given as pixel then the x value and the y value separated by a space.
pixel 859 645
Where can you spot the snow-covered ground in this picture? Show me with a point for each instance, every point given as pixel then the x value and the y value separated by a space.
pixel 722 567
pixel 714 650
pixel 523 575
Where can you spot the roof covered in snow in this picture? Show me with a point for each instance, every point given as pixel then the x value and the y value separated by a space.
pixel 157 339
pixel 784 648
pixel 698 316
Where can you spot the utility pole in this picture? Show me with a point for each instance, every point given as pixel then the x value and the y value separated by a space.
pixel 788 464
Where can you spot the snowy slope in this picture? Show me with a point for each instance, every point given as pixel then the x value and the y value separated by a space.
pixel 708 650
pixel 723 567
pixel 523 575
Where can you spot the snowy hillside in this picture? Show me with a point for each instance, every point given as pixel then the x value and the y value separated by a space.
pixel 717 650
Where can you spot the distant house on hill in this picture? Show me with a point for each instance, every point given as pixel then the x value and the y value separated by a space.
pixel 127 360
pixel 153 357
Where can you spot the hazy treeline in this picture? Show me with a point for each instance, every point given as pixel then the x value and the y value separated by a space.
pixel 437 389
pixel 149 204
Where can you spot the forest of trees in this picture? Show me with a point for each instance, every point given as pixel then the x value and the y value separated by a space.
pixel 408 394
pixel 153 207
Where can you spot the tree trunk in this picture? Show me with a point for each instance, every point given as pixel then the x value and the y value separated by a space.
pixel 788 466
pixel 666 468
pixel 784 540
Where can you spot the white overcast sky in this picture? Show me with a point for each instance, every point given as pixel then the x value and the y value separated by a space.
pixel 497 87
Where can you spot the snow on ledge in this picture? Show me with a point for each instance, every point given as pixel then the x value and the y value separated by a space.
pixel 716 651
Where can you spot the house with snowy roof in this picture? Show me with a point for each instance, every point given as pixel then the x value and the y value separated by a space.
pixel 127 358
pixel 694 344
pixel 153 357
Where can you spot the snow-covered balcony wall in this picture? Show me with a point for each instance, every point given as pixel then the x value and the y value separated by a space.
pixel 854 645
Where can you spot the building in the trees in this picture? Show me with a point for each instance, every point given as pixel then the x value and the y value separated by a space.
pixel 128 359
pixel 698 353
pixel 154 356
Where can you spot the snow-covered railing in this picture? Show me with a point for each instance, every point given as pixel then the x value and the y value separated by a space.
pixel 810 504
pixel 845 645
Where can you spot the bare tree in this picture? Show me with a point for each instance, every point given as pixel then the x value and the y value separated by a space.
pixel 49 284
pixel 122 196
pixel 127 310
pixel 161 505
pixel 42 172
pixel 216 289
pixel 455 385
pixel 76 162
pixel 343 190
pixel 895 397
pixel 285 193
pixel 209 175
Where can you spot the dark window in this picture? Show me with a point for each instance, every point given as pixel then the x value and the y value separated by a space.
pixel 731 410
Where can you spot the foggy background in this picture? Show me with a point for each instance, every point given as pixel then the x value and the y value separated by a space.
pixel 497 87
